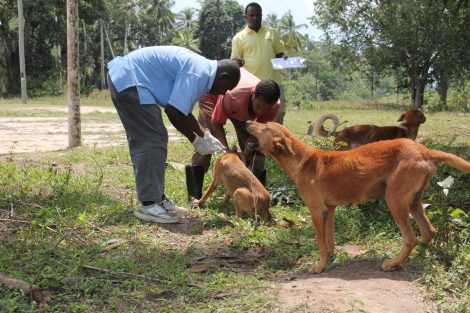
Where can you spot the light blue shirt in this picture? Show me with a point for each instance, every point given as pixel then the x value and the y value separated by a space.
pixel 164 75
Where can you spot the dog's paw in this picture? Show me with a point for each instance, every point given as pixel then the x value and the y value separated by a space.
pixel 317 268
pixel 389 266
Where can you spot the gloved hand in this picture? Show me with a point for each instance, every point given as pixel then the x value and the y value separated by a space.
pixel 207 144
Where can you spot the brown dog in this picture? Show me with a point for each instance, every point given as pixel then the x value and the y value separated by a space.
pixel 358 135
pixel 240 183
pixel 397 169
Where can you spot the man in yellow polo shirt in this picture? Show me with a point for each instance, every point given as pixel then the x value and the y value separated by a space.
pixel 257 44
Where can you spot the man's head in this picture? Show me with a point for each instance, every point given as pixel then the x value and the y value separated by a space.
pixel 267 93
pixel 226 78
pixel 253 16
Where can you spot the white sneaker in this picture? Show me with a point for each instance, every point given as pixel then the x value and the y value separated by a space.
pixel 156 213
pixel 173 208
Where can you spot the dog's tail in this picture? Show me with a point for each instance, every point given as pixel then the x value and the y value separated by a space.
pixel 449 159
pixel 319 130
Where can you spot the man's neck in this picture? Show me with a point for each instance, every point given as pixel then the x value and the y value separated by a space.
pixel 255 29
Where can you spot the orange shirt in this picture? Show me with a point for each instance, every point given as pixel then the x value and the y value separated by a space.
pixel 234 104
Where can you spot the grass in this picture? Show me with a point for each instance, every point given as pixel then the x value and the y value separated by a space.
pixel 70 206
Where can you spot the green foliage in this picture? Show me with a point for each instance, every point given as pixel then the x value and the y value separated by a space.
pixel 231 21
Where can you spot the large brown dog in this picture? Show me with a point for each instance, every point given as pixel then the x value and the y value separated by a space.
pixel 357 135
pixel 247 191
pixel 397 169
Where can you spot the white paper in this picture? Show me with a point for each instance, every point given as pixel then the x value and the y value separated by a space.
pixel 290 62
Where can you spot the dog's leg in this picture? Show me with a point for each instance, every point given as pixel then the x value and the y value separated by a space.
pixel 225 200
pixel 238 201
pixel 426 230
pixel 330 230
pixel 212 186
pixel 398 202
pixel 243 200
pixel 319 218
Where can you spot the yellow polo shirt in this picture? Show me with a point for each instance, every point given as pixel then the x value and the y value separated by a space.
pixel 257 49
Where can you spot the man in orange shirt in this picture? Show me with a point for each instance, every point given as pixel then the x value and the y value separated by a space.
pixel 251 99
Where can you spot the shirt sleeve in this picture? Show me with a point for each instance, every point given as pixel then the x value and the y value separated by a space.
pixel 220 114
pixel 237 51
pixel 277 43
pixel 187 90
pixel 271 115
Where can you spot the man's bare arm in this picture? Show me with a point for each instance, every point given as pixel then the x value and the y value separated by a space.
pixel 187 125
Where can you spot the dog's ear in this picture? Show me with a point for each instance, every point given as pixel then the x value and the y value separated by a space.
pixel 421 118
pixel 283 144
pixel 289 145
pixel 402 116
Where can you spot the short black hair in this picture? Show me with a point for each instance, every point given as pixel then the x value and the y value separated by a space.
pixel 231 68
pixel 253 4
pixel 269 89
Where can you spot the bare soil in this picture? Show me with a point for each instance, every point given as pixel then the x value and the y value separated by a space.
pixel 19 134
pixel 356 287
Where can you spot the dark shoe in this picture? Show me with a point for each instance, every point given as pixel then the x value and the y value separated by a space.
pixel 194 181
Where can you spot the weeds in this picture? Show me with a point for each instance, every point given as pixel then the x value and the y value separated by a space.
pixel 63 209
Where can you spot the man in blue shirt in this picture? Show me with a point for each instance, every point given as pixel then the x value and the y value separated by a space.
pixel 173 78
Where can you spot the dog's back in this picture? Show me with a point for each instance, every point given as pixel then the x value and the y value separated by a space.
pixel 241 184
pixel 357 135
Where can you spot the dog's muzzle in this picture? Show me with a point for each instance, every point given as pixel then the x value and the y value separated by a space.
pixel 251 142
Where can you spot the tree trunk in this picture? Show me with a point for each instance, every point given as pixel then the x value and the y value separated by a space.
pixel 108 41
pixel 102 83
pixel 73 74
pixel 419 94
pixel 85 51
pixel 413 87
pixel 443 87
pixel 372 86
pixel 124 52
pixel 465 101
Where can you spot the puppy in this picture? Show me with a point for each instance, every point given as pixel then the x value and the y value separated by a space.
pixel 354 136
pixel 248 193
pixel 398 170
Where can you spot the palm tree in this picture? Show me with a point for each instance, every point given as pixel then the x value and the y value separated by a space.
pixel 164 18
pixel 186 18
pixel 185 38
pixel 289 33
pixel 127 14
pixel 272 21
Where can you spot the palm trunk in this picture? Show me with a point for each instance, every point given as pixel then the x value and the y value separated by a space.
pixel 73 74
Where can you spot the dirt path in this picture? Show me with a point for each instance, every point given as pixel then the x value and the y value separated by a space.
pixel 44 133
pixel 356 287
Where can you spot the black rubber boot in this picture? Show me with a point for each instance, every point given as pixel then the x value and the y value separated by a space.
pixel 194 181
pixel 261 175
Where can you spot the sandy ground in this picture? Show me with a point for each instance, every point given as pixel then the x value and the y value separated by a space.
pixel 37 134
pixel 357 287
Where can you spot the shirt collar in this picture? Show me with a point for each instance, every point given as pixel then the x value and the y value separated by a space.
pixel 248 30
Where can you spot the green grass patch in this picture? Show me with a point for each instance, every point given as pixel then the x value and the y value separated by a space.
pixel 65 208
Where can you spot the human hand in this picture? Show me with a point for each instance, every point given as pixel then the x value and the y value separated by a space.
pixel 207 144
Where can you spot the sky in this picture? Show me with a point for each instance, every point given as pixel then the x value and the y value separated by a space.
pixel 301 10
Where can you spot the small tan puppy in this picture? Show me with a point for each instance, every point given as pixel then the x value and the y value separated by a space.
pixel 240 183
